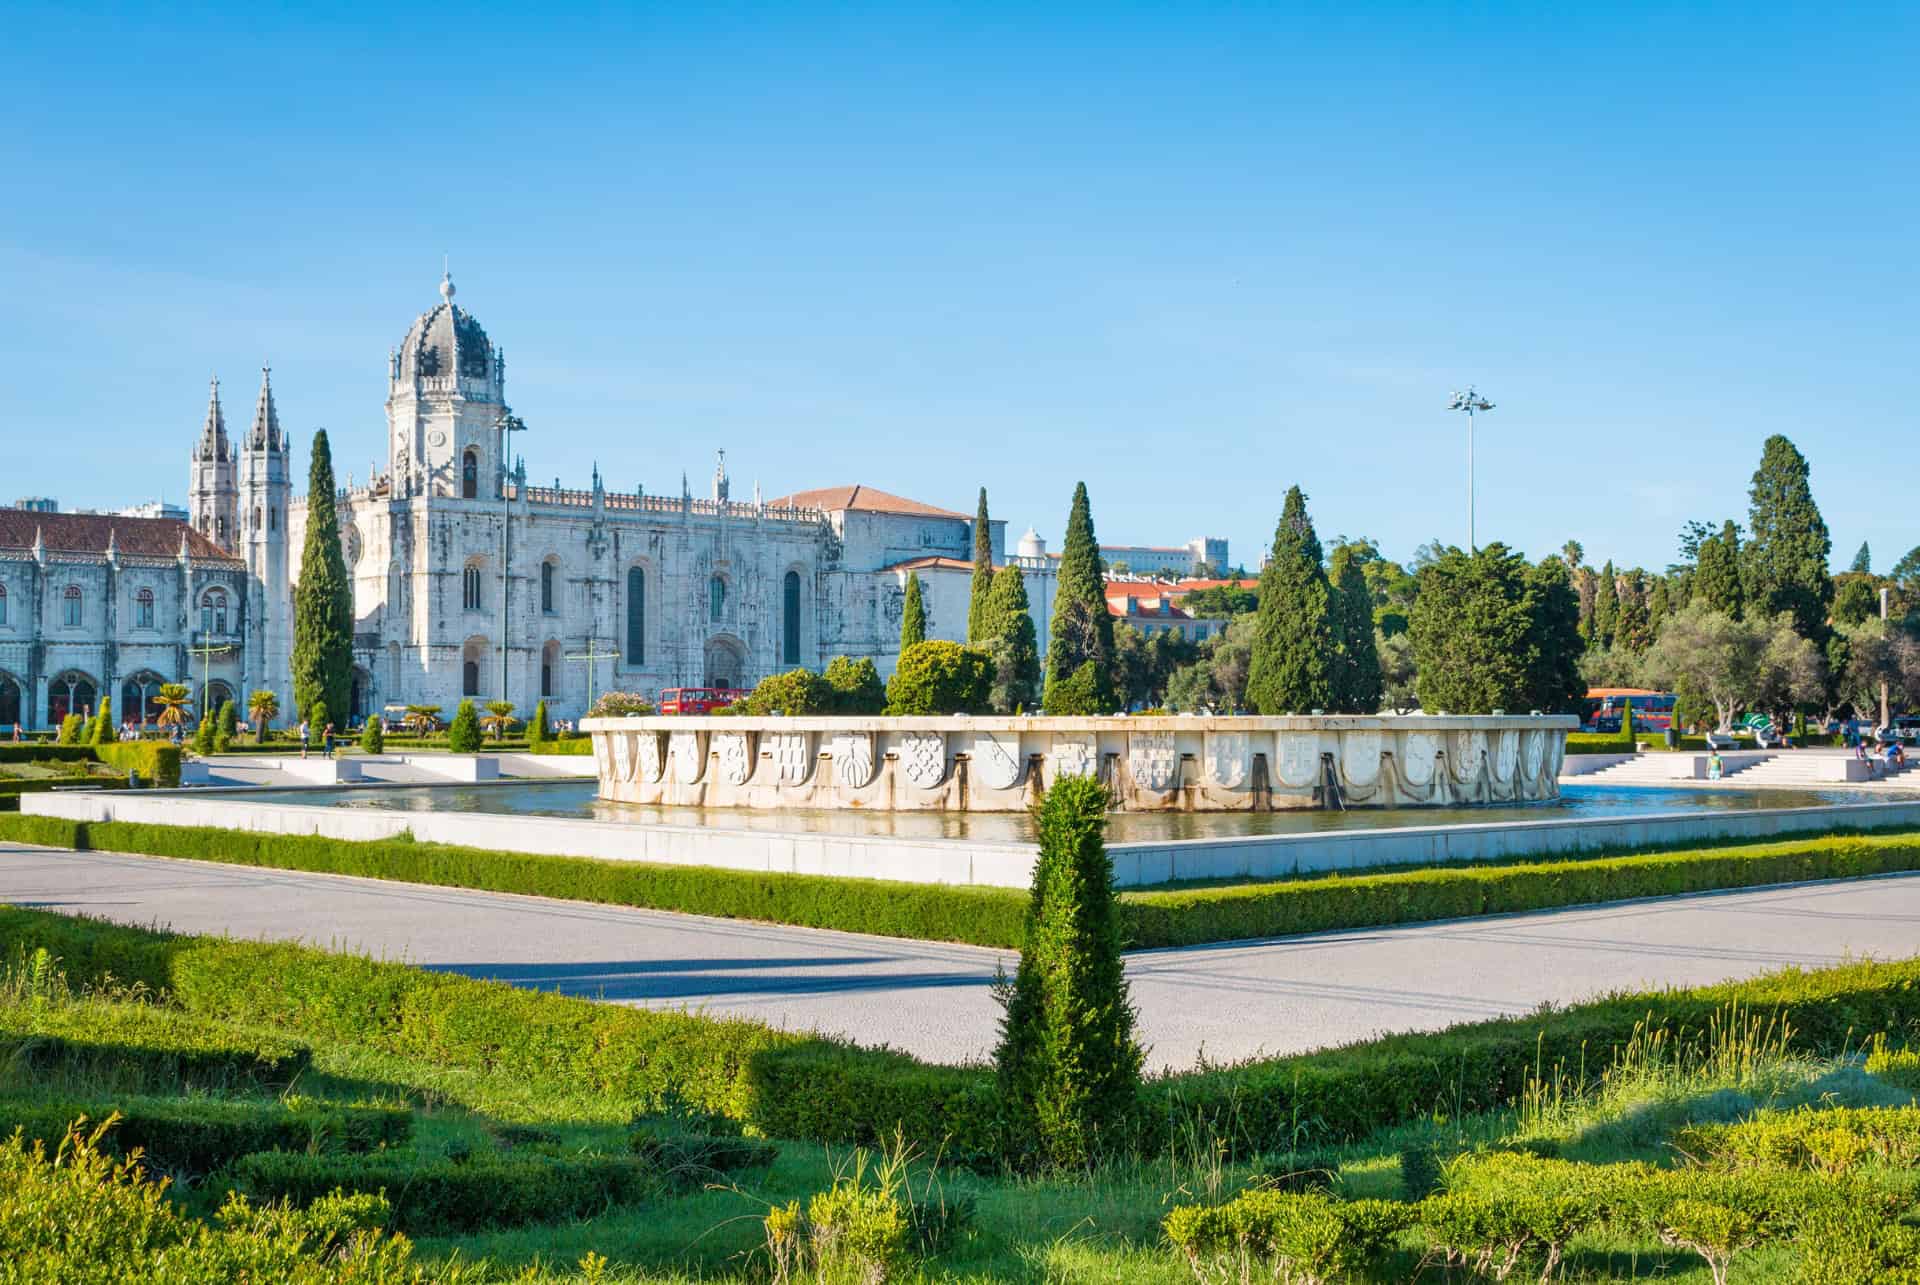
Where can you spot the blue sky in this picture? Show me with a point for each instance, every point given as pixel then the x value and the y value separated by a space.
pixel 1190 254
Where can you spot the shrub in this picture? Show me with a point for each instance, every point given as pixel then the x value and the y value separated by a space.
pixel 225 727
pixel 199 1135
pixel 675 1150
pixel 938 677
pixel 71 728
pixel 1285 1236
pixel 620 705
pixel 75 1213
pixel 156 762
pixel 537 730
pixel 444 1195
pixel 104 732
pixel 1080 693
pixel 1830 1141
pixel 373 737
pixel 1843 1243
pixel 1068 1064
pixel 203 734
pixel 1898 1067
pixel 856 1231
pixel 463 734
pixel 581 746
pixel 137 1046
pixel 798 691
pixel 45 752
pixel 856 686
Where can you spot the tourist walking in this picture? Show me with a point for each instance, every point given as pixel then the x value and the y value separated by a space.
pixel 306 732
pixel 326 740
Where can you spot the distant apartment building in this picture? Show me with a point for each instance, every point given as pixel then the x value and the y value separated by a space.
pixel 37 504
pixel 1144 559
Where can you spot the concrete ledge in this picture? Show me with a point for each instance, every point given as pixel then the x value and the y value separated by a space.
pixel 452 767
pixel 976 862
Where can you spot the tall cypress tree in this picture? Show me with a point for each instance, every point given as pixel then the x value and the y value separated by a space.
pixel 1012 642
pixel 1290 669
pixel 1863 560
pixel 1357 682
pixel 913 616
pixel 982 574
pixel 1633 629
pixel 1554 645
pixel 1606 607
pixel 1472 628
pixel 1785 564
pixel 323 600
pixel 1080 637
pixel 1716 573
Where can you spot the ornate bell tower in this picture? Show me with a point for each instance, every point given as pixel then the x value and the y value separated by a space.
pixel 446 387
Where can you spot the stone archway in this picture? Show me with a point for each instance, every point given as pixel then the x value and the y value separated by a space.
pixel 726 662
pixel 13 704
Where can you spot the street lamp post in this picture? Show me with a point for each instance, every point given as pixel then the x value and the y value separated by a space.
pixel 592 657
pixel 1470 402
pixel 508 424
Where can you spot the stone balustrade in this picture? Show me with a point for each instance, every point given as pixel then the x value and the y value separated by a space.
pixel 1003 764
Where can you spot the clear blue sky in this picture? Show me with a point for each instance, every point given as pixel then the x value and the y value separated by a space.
pixel 1190 254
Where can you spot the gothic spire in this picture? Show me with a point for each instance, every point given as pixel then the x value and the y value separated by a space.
pixel 213 437
pixel 720 482
pixel 266 419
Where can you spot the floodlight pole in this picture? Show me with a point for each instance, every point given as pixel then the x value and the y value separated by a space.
pixel 1470 402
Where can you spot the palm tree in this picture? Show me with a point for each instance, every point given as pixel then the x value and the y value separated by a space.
pixel 174 700
pixel 499 718
pixel 423 718
pixel 262 707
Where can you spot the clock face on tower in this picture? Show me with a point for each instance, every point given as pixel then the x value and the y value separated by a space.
pixel 436 438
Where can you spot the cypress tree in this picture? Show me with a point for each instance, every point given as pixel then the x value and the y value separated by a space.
pixel 1785 564
pixel 1716 574
pixel 1013 643
pixel 1471 627
pixel 1863 560
pixel 374 741
pixel 1659 605
pixel 1633 628
pixel 1606 607
pixel 982 575
pixel 1357 680
pixel 103 730
pixel 913 616
pixel 1080 637
pixel 323 600
pixel 1554 644
pixel 1068 1062
pixel 1290 668
pixel 538 731
pixel 463 734
pixel 226 725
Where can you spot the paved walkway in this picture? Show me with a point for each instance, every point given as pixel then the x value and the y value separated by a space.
pixel 1226 1001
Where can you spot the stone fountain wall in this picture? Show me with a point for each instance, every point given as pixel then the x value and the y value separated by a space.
pixel 1002 764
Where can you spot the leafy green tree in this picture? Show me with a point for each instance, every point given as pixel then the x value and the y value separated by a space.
pixel 226 725
pixel 1863 560
pixel 940 677
pixel 982 575
pixel 1220 602
pixel 104 732
pixel 1784 567
pixel 1633 627
pixel 1079 658
pixel 1554 646
pixel 373 739
pixel 1735 664
pixel 1659 605
pixel 1012 643
pixel 1357 684
pixel 463 734
pixel 913 615
pixel 1471 630
pixel 856 686
pixel 1397 673
pixel 1292 664
pixel 1606 606
pixel 1855 598
pixel 262 707
pixel 539 731
pixel 323 599
pixel 499 718
pixel 796 692
pixel 1716 576
pixel 1068 1062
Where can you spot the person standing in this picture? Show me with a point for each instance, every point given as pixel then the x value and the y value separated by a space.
pixel 326 740
pixel 306 732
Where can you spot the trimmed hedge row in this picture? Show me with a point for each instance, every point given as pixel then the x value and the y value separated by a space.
pixel 788 1085
pixel 200 1135
pixel 995 916
pixel 30 751
pixel 146 1044
pixel 575 745
pixel 10 791
pixel 157 762
pixel 446 1196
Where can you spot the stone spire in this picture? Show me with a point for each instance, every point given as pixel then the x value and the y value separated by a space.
pixel 720 483
pixel 266 418
pixel 213 437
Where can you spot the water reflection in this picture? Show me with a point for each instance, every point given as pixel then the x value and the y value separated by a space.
pixel 575 799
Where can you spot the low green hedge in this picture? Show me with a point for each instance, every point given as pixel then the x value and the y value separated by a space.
pixel 29 751
pixel 788 1085
pixel 575 745
pixel 994 916
pixel 157 762
pixel 446 1196
pixel 1599 743
pixel 200 1135
pixel 143 1044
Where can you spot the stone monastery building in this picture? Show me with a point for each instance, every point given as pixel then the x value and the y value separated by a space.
pixel 459 565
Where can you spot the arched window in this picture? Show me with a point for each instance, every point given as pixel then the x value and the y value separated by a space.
pixel 470 678
pixel 546 587
pixel 716 598
pixel 73 602
pixel 3 604
pixel 636 616
pixel 470 475
pixel 470 589
pixel 213 612
pixel 256 517
pixel 273 519
pixel 790 621
pixel 549 658
pixel 143 609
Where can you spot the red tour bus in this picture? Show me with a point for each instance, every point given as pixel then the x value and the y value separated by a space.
pixel 698 700
pixel 1652 711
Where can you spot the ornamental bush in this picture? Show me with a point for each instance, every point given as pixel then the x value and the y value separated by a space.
pixel 200 1135
pixel 373 737
pixel 1068 1063
pixel 71 728
pixel 938 677
pixel 1300 1237
pixel 463 735
pixel 798 691
pixel 203 735
pixel 103 729
pixel 226 726
pixel 537 732
pixel 856 686
pixel 619 705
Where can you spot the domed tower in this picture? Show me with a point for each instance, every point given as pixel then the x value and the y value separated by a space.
pixel 211 496
pixel 446 387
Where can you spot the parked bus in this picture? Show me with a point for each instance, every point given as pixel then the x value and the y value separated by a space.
pixel 698 700
pixel 1652 711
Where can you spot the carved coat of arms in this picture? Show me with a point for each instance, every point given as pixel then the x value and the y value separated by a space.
pixel 1299 758
pixel 1465 749
pixel 1360 757
pixel 651 764
pixel 686 751
pixel 792 756
pixel 1072 756
pixel 923 757
pixel 1153 758
pixel 997 759
pixel 1417 751
pixel 736 757
pixel 1227 759
pixel 853 758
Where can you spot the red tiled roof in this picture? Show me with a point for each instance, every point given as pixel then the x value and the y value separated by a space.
pixel 87 534
pixel 932 562
pixel 864 499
